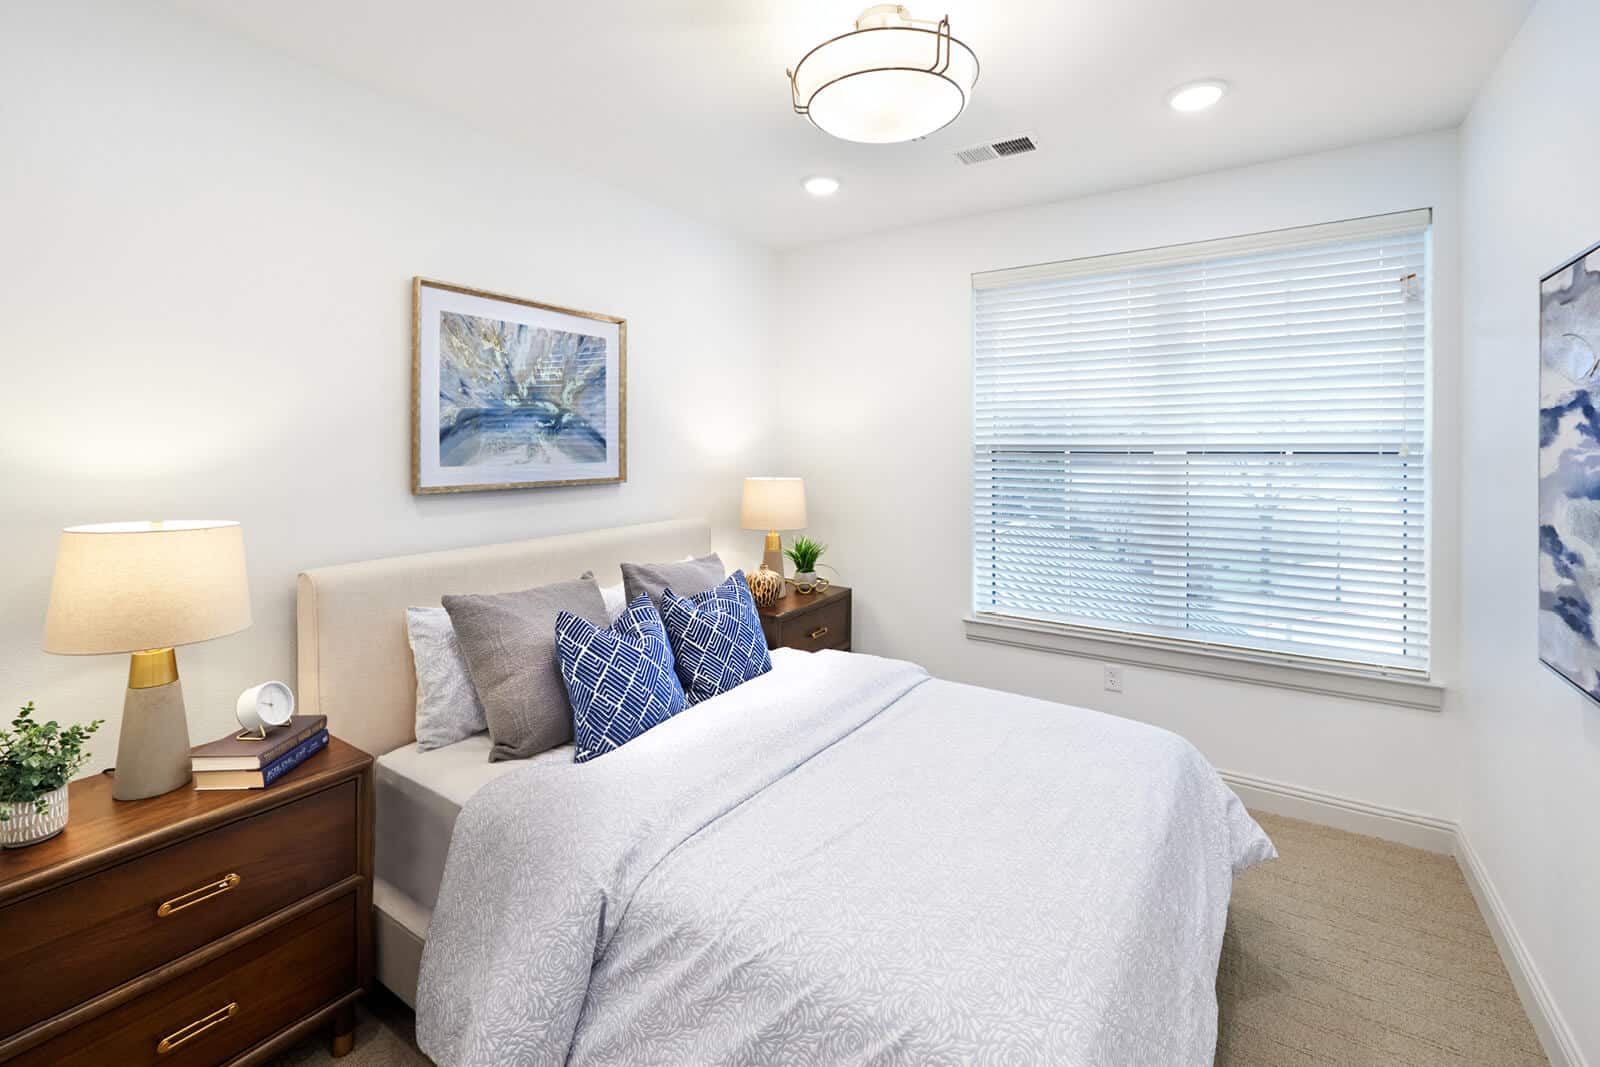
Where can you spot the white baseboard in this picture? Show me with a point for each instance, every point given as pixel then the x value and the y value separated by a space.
pixel 1560 1045
pixel 1344 813
pixel 1435 835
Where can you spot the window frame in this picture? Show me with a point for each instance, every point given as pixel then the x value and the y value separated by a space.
pixel 1401 685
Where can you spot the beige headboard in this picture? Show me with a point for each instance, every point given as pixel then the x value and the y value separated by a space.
pixel 355 661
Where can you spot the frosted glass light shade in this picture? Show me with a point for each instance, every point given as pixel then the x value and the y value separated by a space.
pixel 887 81
pixel 773 504
pixel 130 586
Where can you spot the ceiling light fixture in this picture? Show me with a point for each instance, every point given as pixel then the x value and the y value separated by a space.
pixel 822 186
pixel 893 78
pixel 1196 96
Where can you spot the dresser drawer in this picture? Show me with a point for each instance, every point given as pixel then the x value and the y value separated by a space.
pixel 826 627
pixel 83 938
pixel 217 1011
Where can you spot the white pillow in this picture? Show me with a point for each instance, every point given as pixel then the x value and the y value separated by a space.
pixel 616 600
pixel 448 709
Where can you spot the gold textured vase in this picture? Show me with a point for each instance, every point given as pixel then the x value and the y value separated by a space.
pixel 766 586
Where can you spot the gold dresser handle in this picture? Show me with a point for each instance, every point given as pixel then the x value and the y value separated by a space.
pixel 195 896
pixel 821 631
pixel 183 1035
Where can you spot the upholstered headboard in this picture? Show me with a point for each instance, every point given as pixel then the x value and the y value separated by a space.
pixel 355 661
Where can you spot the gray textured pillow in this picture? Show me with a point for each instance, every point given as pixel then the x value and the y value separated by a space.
pixel 509 641
pixel 448 709
pixel 685 578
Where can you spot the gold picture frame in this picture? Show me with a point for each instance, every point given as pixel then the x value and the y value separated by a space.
pixel 496 320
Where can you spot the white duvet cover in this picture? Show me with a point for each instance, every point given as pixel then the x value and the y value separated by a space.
pixel 843 862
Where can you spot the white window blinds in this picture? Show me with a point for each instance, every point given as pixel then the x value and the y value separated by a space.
pixel 1221 444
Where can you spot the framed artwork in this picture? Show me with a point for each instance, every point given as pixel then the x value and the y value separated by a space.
pixel 1569 471
pixel 514 394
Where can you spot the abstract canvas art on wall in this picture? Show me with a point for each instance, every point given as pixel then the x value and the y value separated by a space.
pixel 513 394
pixel 1569 471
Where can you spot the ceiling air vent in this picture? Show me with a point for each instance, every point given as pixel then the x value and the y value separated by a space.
pixel 1011 146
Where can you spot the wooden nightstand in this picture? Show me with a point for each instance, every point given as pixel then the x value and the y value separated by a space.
pixel 809 621
pixel 191 928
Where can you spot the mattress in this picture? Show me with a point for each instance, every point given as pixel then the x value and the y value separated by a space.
pixel 419 795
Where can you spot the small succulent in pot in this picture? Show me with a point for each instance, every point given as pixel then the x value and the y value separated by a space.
pixel 803 552
pixel 37 760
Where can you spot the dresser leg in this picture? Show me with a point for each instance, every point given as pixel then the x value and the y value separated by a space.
pixel 344 1030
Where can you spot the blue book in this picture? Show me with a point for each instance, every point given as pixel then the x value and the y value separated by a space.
pixel 268 774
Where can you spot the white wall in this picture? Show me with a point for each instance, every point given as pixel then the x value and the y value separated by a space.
pixel 1530 201
pixel 877 330
pixel 205 263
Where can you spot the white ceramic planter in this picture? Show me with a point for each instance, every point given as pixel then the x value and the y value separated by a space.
pixel 806 577
pixel 27 826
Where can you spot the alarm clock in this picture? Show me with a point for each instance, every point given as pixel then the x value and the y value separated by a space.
pixel 262 707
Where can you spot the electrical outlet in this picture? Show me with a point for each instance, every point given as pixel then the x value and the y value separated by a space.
pixel 1113 678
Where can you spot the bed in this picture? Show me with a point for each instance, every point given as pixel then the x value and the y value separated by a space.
pixel 842 861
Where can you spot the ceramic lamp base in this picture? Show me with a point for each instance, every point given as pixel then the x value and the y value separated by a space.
pixel 153 751
pixel 772 558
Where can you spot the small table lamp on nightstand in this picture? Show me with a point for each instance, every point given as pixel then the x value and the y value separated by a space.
pixel 143 587
pixel 773 504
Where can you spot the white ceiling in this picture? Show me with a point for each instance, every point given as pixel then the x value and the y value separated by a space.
pixel 685 102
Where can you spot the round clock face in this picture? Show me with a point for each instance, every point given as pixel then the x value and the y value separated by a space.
pixel 264 706
pixel 275 704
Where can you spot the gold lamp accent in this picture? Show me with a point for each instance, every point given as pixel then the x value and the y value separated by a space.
pixel 773 504
pixel 142 588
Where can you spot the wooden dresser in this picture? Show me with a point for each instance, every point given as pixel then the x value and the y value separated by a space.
pixel 194 928
pixel 810 622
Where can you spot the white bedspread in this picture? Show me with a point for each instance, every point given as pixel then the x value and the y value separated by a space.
pixel 843 862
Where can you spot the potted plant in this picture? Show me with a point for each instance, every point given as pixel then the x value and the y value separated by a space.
pixel 804 553
pixel 37 759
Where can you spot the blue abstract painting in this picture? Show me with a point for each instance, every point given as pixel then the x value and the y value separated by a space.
pixel 515 394
pixel 1569 472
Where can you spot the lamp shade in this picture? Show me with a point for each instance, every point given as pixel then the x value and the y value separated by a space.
pixel 773 504
pixel 130 586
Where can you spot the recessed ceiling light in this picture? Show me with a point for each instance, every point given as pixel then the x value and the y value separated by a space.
pixel 1196 96
pixel 820 186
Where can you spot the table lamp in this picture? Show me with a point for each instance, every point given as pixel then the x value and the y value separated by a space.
pixel 773 504
pixel 141 588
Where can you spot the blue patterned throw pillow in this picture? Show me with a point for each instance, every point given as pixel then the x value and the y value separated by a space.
pixel 620 679
pixel 716 638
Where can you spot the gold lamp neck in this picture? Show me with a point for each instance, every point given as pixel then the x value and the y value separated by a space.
pixel 152 668
pixel 772 558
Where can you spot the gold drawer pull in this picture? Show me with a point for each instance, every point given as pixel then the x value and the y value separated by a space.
pixel 195 896
pixel 821 631
pixel 186 1034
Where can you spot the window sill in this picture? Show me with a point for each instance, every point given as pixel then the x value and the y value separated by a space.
pixel 1135 651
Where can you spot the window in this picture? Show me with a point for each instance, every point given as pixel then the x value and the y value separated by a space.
pixel 1222 445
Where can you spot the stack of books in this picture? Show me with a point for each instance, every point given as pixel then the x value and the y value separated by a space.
pixel 236 763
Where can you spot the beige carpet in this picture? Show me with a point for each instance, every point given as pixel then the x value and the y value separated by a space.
pixel 384 1038
pixel 1352 950
pixel 1348 950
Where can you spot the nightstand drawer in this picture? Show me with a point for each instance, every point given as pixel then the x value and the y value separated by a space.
pixel 217 1011
pixel 88 936
pixel 826 627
